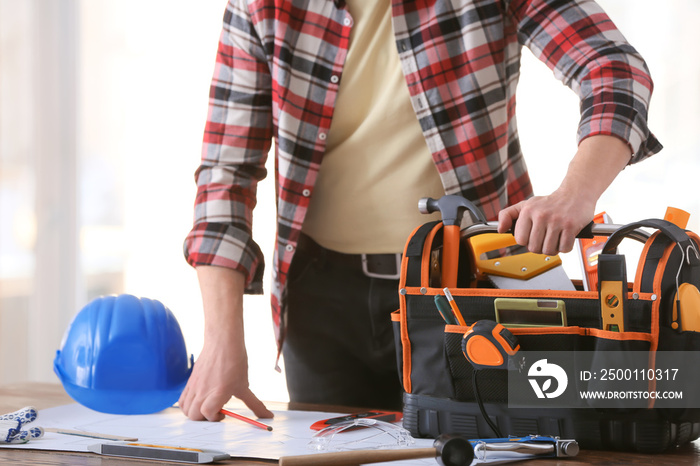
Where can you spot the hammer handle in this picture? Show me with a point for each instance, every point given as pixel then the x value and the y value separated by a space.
pixel 357 457
pixel 450 255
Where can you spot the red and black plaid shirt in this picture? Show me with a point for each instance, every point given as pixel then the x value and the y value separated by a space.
pixel 277 74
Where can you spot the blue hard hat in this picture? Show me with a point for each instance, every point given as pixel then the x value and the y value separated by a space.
pixel 124 355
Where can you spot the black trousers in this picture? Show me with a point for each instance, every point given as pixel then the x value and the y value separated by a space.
pixel 339 348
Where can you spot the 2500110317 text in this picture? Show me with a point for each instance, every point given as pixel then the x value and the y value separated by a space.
pixel 630 374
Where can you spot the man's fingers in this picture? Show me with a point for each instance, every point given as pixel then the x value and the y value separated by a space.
pixel 507 217
pixel 211 408
pixel 566 241
pixel 191 407
pixel 184 401
pixel 504 222
pixel 255 405
pixel 523 231
pixel 550 244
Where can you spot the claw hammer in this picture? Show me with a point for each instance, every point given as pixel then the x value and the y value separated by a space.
pixel 451 209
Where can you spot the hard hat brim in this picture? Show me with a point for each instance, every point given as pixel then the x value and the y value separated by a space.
pixel 121 401
pixel 124 401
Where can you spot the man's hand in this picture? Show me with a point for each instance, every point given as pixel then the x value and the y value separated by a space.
pixel 549 224
pixel 221 371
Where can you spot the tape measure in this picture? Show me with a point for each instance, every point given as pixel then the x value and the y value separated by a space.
pixel 488 345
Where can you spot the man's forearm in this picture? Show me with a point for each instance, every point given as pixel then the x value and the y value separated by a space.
pixel 597 162
pixel 549 224
pixel 221 370
pixel 222 297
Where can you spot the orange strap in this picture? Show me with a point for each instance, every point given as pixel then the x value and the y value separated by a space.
pixel 450 255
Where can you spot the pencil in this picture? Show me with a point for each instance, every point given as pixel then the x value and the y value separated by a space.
pixel 246 419
pixel 82 433
pixel 454 307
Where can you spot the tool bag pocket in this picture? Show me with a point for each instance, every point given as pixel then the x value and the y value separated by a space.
pixel 437 377
pixel 434 364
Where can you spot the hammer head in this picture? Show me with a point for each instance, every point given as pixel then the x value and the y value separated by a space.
pixel 451 208
pixel 453 450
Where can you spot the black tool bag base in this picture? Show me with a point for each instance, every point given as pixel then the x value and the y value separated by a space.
pixel 644 432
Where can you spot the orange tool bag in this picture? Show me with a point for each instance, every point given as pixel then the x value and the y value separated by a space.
pixel 613 367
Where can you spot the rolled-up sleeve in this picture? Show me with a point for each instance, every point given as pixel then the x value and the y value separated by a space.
pixel 586 51
pixel 237 139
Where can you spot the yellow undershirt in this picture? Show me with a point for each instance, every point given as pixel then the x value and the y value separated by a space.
pixel 377 164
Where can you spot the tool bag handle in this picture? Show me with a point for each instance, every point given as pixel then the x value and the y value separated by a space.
pixel 671 230
pixel 414 274
pixel 668 234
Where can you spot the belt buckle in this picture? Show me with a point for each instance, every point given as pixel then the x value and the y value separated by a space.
pixel 393 276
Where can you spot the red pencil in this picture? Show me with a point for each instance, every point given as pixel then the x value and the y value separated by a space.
pixel 246 419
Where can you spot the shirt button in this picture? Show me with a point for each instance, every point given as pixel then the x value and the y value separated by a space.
pixel 306 193
pixel 289 247
pixel 322 136
pixel 334 79
pixel 347 21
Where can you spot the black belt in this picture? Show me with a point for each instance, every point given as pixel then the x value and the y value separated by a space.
pixel 386 266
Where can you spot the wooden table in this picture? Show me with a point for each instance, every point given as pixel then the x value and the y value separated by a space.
pixel 42 396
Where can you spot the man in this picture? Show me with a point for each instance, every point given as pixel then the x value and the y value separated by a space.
pixel 372 106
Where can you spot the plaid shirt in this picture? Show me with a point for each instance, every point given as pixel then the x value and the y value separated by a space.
pixel 277 74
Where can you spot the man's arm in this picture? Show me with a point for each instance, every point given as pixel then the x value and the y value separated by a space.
pixel 221 370
pixel 587 53
pixel 549 224
pixel 580 43
pixel 237 139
